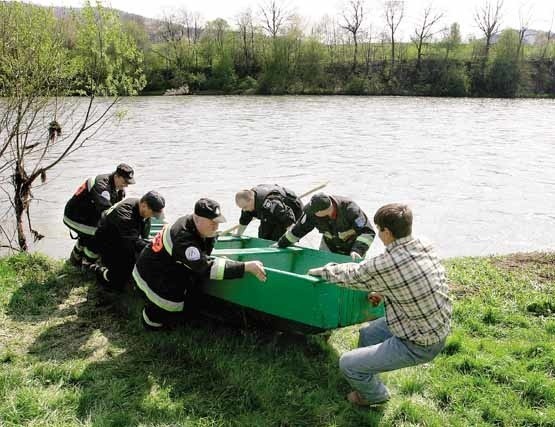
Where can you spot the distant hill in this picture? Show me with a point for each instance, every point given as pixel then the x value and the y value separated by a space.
pixel 151 26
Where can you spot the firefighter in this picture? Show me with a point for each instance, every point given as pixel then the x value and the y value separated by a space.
pixel 82 212
pixel 276 207
pixel 344 226
pixel 171 268
pixel 122 234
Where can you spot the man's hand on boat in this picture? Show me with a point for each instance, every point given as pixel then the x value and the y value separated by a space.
pixel 318 271
pixel 256 268
pixel 374 298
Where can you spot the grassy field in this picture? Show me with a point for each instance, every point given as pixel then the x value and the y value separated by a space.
pixel 70 356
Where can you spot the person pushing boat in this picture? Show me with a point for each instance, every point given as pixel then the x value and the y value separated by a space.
pixel 344 226
pixel 170 269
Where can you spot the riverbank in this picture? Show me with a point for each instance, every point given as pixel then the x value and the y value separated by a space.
pixel 70 356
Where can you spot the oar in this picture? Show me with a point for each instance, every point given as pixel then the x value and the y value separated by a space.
pixel 319 187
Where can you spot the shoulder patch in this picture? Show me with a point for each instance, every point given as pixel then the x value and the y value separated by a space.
pixel 267 204
pixel 105 194
pixel 192 253
pixel 360 221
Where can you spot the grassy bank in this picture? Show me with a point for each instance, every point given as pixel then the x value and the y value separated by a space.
pixel 70 356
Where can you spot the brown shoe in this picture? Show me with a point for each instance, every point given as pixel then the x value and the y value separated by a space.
pixel 356 399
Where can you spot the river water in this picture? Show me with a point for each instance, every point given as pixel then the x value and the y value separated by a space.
pixel 478 173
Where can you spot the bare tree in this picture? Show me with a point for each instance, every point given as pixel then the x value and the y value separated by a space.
pixel 424 32
pixel 192 25
pixel 488 19
pixel 274 17
pixel 369 51
pixel 173 33
pixel 524 18
pixel 394 12
pixel 353 16
pixel 37 72
pixel 245 23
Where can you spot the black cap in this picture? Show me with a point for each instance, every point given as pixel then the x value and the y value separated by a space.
pixel 156 202
pixel 210 209
pixel 318 202
pixel 126 171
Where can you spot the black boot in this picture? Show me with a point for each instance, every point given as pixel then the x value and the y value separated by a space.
pixel 76 256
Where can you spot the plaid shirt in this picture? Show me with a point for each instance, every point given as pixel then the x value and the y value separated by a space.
pixel 412 281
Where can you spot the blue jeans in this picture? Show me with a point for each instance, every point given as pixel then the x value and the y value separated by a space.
pixel 380 351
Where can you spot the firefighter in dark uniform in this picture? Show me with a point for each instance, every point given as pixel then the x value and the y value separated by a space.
pixel 276 207
pixel 344 226
pixel 82 212
pixel 122 234
pixel 178 260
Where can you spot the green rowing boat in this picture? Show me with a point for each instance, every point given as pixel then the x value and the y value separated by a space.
pixel 289 299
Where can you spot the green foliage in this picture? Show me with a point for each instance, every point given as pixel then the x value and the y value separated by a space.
pixel 223 75
pixel 33 58
pixel 503 77
pixel 357 85
pixel 106 58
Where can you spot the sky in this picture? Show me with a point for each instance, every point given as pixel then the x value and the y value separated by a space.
pixel 540 12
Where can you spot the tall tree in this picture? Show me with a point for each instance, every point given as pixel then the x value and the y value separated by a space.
pixel 353 16
pixel 275 17
pixel 451 38
pixel 488 19
pixel 245 24
pixel 394 13
pixel 424 32
pixel 524 17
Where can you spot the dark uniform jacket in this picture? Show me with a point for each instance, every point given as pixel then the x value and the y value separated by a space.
pixel 122 227
pixel 350 231
pixel 177 258
pixel 82 212
pixel 276 207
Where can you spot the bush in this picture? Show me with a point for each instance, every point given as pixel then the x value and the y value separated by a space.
pixel 357 85
pixel 503 77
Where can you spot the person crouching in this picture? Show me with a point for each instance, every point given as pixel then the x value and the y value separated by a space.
pixel 178 260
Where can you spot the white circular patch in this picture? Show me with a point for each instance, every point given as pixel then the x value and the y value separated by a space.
pixel 192 253
pixel 105 194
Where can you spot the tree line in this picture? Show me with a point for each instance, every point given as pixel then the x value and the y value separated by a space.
pixel 268 50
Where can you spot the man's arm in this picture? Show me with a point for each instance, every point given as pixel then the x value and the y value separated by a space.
pixel 216 267
pixel 364 230
pixel 361 275
pixel 300 229
pixel 100 193
pixel 279 211
pixel 245 218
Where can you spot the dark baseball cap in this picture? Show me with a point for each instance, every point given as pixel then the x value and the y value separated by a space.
pixel 318 202
pixel 156 202
pixel 210 209
pixel 126 171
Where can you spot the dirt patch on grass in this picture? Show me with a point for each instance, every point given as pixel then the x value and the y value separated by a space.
pixel 459 291
pixel 539 264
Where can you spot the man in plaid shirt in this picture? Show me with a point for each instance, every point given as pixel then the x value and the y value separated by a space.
pixel 411 280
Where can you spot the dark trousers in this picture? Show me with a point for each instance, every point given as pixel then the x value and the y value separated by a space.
pixel 86 248
pixel 271 230
pixel 180 290
pixel 119 262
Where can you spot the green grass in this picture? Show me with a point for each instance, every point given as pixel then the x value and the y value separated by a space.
pixel 69 358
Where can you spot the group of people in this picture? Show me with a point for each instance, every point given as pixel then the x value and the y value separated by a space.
pixel 112 231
